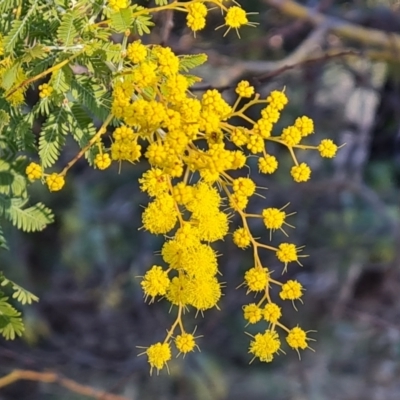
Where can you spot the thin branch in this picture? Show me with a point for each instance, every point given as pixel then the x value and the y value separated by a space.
pixel 283 66
pixel 371 37
pixel 52 377
pixel 286 67
pixel 313 43
pixel 323 57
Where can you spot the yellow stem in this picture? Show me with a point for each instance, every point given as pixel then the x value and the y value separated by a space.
pixel 252 215
pixel 92 141
pixel 236 103
pixel 275 282
pixel 293 155
pixel 181 221
pixel 265 246
pixel 262 300
pixel 282 326
pixel 248 105
pixel 177 321
pixel 186 176
pixel 44 73
pixel 254 243
pixel 246 118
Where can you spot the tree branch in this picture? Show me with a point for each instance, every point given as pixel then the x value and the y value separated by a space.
pixel 372 37
pixel 52 377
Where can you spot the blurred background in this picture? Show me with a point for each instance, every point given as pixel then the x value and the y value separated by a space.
pixel 339 62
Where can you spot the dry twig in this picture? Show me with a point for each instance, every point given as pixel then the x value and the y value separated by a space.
pixel 52 377
pixel 368 36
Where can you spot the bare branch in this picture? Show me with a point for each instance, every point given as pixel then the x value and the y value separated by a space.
pixel 372 37
pixel 286 67
pixel 52 377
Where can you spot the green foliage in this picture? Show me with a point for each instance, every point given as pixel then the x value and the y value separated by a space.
pixel 3 243
pixel 14 198
pixel 62 77
pixel 43 41
pixel 11 324
pixel 52 137
pixel 121 20
pixel 30 219
pixel 10 320
pixel 19 27
pixel 186 63
pixel 69 27
pixel 141 23
pixel 92 95
pixel 65 51
pixel 20 294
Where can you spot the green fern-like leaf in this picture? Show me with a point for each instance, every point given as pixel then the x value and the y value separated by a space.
pixel 12 182
pixel 61 80
pixel 16 32
pixel 121 20
pixel 44 107
pixel 10 76
pixel 31 219
pixel 67 31
pixel 23 136
pixel 3 241
pixel 8 150
pixel 20 294
pixel 141 23
pixel 11 324
pixel 82 130
pixel 97 66
pixel 9 5
pixel 43 29
pixel 192 79
pixel 39 66
pixel 12 177
pixel 4 119
pixel 34 53
pixel 52 137
pixel 82 127
pixel 19 28
pixel 187 63
pixel 92 96
pixel 113 51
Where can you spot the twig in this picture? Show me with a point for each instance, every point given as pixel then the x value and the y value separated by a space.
pixel 372 37
pixel 286 67
pixel 52 377
pixel 48 71
pixel 324 57
pixel 234 68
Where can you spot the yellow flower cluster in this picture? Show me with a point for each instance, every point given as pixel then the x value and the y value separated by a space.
pixel 196 18
pixel 184 145
pixel 33 171
pixel 191 146
pixel 124 148
pixel 117 5
pixel 54 181
pixel 45 90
